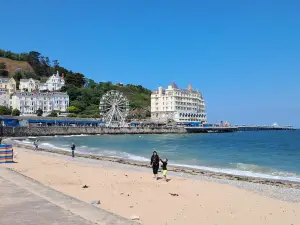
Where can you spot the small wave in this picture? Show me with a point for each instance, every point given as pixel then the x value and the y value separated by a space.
pixel 51 146
pixel 83 146
pixel 246 173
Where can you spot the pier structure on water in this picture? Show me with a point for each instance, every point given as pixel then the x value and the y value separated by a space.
pixel 228 129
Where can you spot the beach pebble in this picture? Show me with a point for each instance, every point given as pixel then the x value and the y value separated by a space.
pixel 134 217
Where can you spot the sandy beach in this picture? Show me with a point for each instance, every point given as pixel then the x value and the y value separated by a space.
pixel 131 191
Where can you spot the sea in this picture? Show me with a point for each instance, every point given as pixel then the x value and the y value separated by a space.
pixel 263 154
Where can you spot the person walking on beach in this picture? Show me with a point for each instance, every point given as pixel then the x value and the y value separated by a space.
pixel 35 143
pixel 73 150
pixel 164 167
pixel 155 163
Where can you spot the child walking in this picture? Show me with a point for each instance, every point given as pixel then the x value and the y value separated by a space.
pixel 164 167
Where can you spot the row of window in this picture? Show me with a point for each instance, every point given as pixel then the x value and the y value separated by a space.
pixel 192 115
pixel 45 103
pixel 32 109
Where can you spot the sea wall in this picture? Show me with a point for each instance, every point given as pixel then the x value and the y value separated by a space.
pixel 49 131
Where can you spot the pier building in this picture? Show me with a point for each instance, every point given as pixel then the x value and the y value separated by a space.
pixel 178 105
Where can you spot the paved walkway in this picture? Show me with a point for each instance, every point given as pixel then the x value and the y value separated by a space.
pixel 24 201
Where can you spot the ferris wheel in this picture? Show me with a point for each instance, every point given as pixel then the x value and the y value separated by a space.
pixel 114 108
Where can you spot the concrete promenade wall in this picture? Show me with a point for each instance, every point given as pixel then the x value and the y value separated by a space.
pixel 49 131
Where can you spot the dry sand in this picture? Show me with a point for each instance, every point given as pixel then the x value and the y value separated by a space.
pixel 129 192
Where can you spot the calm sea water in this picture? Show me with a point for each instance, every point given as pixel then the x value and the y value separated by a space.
pixel 268 154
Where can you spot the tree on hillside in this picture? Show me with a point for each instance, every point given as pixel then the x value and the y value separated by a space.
pixel 75 79
pixel 39 112
pixel 3 71
pixel 55 65
pixel 72 109
pixel 16 112
pixel 4 110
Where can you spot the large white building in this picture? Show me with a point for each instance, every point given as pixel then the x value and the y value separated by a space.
pixel 179 105
pixel 29 102
pixel 54 83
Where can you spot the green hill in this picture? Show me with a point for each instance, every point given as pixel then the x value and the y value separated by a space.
pixel 85 94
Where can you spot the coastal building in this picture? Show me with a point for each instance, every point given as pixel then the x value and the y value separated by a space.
pixel 29 85
pixel 176 104
pixel 53 83
pixel 29 102
pixel 9 84
pixel 4 98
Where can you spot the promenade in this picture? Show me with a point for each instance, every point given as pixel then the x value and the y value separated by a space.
pixel 25 201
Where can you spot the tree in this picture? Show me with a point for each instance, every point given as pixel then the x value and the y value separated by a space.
pixel 53 114
pixel 72 109
pixel 39 112
pixel 55 65
pixel 3 71
pixel 75 79
pixel 4 110
pixel 16 112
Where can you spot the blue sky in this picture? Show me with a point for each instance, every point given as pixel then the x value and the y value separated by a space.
pixel 244 56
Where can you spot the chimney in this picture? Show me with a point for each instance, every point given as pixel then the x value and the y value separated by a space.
pixel 63 76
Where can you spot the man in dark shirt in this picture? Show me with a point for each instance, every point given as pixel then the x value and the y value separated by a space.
pixel 155 163
pixel 73 150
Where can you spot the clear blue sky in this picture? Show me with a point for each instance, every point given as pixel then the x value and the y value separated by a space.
pixel 244 56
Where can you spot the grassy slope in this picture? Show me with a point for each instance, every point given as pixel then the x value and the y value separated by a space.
pixel 12 65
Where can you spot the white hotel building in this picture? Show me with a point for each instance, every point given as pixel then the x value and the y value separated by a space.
pixel 29 102
pixel 179 105
pixel 53 83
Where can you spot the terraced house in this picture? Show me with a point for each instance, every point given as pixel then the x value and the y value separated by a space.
pixel 9 84
pixel 29 102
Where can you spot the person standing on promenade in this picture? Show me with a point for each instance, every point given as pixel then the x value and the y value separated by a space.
pixel 155 163
pixel 73 150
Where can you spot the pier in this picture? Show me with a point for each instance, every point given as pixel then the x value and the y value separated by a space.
pixel 264 128
pixel 211 129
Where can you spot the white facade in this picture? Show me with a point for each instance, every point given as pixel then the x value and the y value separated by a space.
pixel 179 105
pixel 29 85
pixel 4 98
pixel 54 83
pixel 29 103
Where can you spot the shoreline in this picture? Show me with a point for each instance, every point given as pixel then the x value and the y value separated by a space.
pixel 176 169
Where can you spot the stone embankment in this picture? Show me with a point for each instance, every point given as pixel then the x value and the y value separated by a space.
pixel 50 131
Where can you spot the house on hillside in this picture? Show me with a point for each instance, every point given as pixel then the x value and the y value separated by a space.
pixel 9 84
pixel 54 83
pixel 29 85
